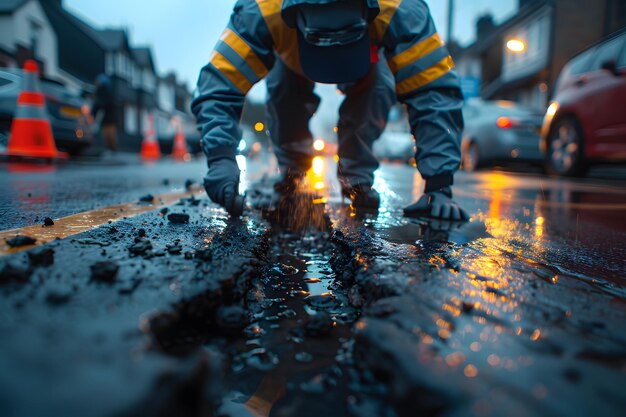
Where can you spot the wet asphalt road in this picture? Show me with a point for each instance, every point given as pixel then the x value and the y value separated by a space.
pixel 312 308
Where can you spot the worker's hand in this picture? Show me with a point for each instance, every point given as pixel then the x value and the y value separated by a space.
pixel 222 182
pixel 439 205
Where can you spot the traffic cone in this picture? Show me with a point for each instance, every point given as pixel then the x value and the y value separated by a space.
pixel 150 150
pixel 179 150
pixel 31 133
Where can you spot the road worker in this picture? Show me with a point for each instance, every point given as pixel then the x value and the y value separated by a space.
pixel 376 51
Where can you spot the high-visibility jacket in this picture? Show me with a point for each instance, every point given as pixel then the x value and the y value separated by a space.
pixel 257 36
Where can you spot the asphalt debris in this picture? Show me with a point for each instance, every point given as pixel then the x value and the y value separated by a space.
pixel 12 274
pixel 55 298
pixel 104 271
pixel 148 198
pixel 178 218
pixel 93 242
pixel 141 247
pixel 319 325
pixel 174 248
pixel 42 257
pixel 21 240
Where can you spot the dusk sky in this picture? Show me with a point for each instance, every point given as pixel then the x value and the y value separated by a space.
pixel 183 32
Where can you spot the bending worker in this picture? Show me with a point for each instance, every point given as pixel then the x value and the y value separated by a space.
pixel 295 43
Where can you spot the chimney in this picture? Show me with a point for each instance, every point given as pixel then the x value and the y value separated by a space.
pixel 484 25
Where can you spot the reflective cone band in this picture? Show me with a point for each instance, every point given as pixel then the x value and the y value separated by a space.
pixel 179 151
pixel 31 133
pixel 150 150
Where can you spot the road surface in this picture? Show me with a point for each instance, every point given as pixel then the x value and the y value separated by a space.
pixel 144 299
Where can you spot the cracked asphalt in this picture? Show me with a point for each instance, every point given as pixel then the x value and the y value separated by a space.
pixel 141 298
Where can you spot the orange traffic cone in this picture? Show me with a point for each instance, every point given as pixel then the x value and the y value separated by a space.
pixel 31 133
pixel 150 149
pixel 179 151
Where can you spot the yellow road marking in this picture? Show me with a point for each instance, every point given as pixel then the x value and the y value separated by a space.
pixel 83 222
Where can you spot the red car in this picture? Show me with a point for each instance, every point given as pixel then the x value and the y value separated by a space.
pixel 586 122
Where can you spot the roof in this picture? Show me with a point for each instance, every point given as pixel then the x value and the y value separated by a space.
pixel 61 16
pixel 143 57
pixel 113 39
pixel 108 39
pixel 9 6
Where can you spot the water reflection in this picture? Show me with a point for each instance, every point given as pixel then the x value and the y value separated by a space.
pixel 416 231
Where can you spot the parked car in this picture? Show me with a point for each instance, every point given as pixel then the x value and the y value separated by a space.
pixel 499 131
pixel 586 122
pixel 395 146
pixel 70 123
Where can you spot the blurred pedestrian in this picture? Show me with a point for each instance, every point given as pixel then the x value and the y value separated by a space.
pixel 104 111
pixel 295 43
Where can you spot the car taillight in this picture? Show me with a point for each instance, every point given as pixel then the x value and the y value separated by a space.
pixel 506 123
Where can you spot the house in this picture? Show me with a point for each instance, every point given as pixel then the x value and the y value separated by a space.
pixel 27 33
pixel 521 59
pixel 80 54
pixel 74 53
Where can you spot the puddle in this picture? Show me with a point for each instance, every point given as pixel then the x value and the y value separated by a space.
pixel 298 346
pixel 416 231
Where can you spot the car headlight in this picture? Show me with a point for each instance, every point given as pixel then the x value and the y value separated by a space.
pixel 552 109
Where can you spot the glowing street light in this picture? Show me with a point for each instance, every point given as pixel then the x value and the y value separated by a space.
pixel 318 165
pixel 319 145
pixel 516 45
pixel 259 127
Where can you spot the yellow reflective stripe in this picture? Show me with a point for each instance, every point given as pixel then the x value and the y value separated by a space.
pixel 415 52
pixel 425 77
pixel 379 26
pixel 244 50
pixel 231 72
pixel 285 38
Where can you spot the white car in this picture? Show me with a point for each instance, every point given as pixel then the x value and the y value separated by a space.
pixel 395 146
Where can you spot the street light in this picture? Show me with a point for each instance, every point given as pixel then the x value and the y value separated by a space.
pixel 516 45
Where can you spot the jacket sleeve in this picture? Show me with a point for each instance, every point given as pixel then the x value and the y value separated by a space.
pixel 428 86
pixel 241 58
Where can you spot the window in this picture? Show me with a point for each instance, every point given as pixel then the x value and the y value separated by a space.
pixel 109 66
pixel 621 62
pixel 581 64
pixel 130 116
pixel 607 52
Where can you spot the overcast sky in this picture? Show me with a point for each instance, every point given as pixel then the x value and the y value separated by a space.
pixel 182 33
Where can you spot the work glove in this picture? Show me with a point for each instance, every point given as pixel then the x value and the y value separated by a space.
pixel 222 182
pixel 439 205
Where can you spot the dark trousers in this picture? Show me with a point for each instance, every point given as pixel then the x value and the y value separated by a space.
pixel 362 118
